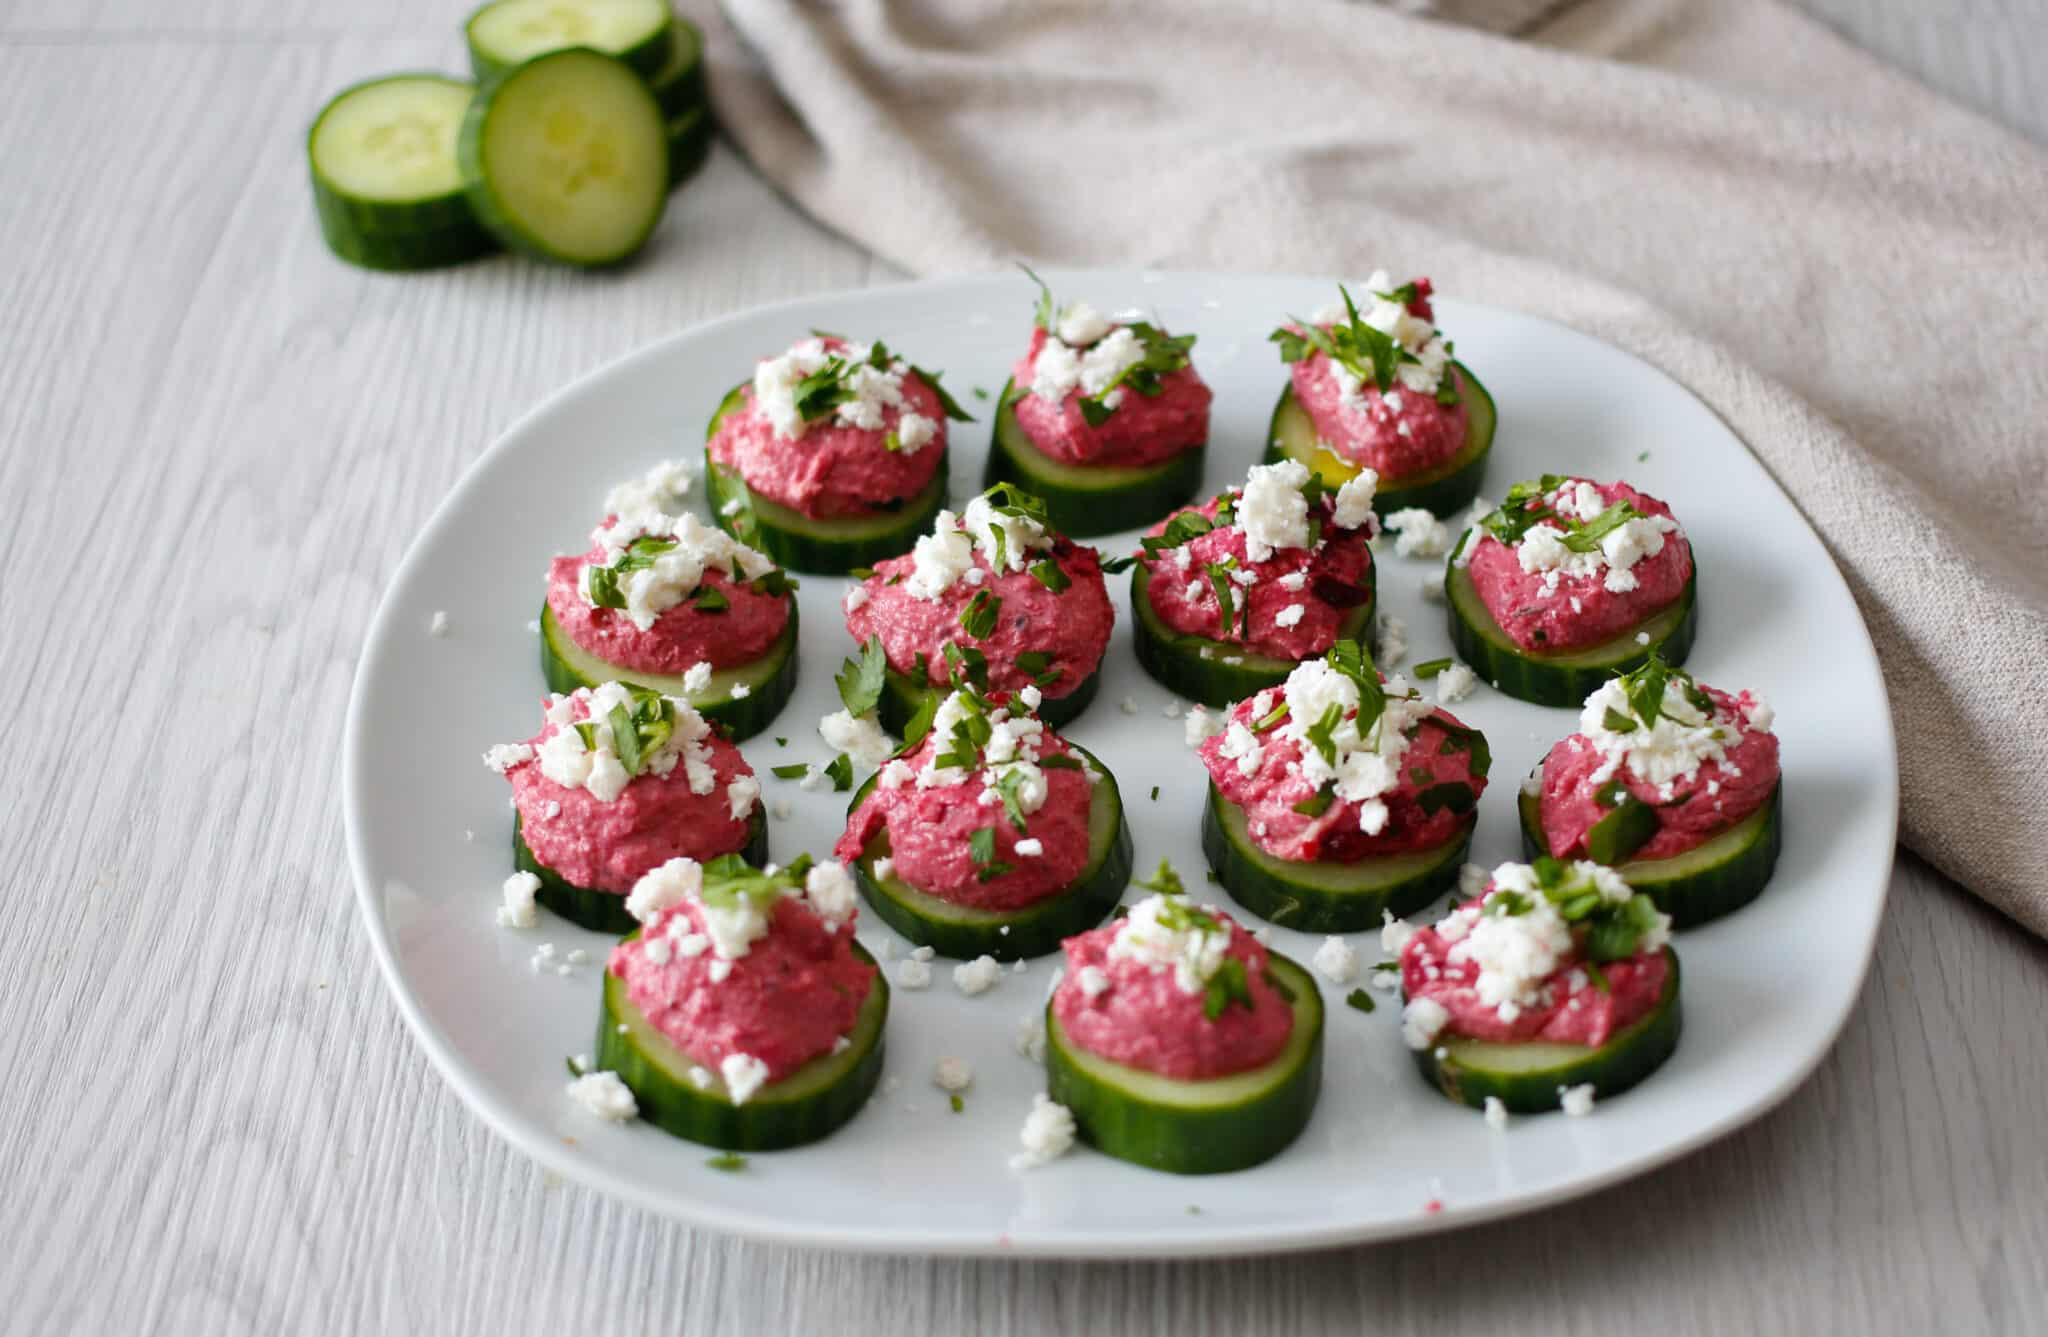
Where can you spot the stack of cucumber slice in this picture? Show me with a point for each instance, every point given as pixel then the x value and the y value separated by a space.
pixel 583 115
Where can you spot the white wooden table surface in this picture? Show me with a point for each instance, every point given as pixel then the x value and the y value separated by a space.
pixel 215 443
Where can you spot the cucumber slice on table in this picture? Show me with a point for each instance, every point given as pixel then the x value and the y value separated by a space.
pixel 386 184
pixel 964 933
pixel 830 547
pixel 1713 878
pixel 511 32
pixel 1084 500
pixel 1292 436
pixel 903 695
pixel 768 681
pixel 689 144
pixel 566 158
pixel 1195 1127
pixel 1324 897
pixel 809 1104
pixel 679 84
pixel 1197 667
pixel 1567 678
pixel 1531 1077
pixel 605 911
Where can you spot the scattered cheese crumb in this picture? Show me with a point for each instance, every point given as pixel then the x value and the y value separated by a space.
pixel 518 911
pixel 438 625
pixel 952 1075
pixel 1336 959
pixel 1577 1100
pixel 913 975
pixel 604 1095
pixel 1047 1135
pixel 1030 1039
pixel 1128 706
pixel 1418 533
pixel 977 976
pixel 1433 588
pixel 744 1075
pixel 1496 1113
pixel 1455 684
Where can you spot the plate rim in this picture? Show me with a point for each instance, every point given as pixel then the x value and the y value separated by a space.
pixel 889 1240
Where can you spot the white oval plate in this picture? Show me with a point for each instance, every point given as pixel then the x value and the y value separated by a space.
pixel 429 828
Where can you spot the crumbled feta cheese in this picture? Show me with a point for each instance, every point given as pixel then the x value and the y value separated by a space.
pixel 1337 960
pixel 438 624
pixel 1392 639
pixel 1683 738
pixel 874 389
pixel 1061 368
pixel 653 493
pixel 1433 588
pixel 1290 616
pixel 939 558
pixel 1164 933
pixel 518 909
pixel 675 574
pixel 1354 501
pixel 977 976
pixel 860 736
pixel 1422 1020
pixel 1171 710
pixel 604 1095
pixel 1272 513
pixel 664 887
pixel 1472 880
pixel 1008 541
pixel 856 599
pixel 1577 1101
pixel 1080 325
pixel 1455 683
pixel 1418 533
pixel 1128 705
pixel 1092 981
pixel 1496 1113
pixel 913 975
pixel 952 1075
pixel 830 890
pixel 1394 933
pixel 1047 1135
pixel 744 1075
pixel 741 795
pixel 1030 1037
pixel 504 756
pixel 1294 580
pixel 1030 847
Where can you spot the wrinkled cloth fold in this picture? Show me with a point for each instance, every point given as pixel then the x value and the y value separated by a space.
pixel 1848 269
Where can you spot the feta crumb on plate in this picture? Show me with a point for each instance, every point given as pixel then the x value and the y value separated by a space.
pixel 604 1095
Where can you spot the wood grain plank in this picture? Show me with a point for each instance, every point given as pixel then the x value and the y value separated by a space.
pixel 250 1142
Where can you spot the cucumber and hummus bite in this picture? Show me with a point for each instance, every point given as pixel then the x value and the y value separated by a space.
pixel 1376 389
pixel 1339 798
pixel 742 1014
pixel 668 603
pixel 1228 596
pixel 994 597
pixel 832 457
pixel 1553 986
pixel 988 833
pixel 1178 1042
pixel 1104 418
pixel 1673 784
pixel 1567 583
pixel 618 781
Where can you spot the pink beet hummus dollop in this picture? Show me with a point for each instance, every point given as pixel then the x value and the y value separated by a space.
pixel 1579 610
pixel 1400 433
pixel 1435 756
pixel 1071 626
pixel 833 469
pixel 1575 1010
pixel 928 832
pixel 1692 809
pixel 683 636
pixel 1144 429
pixel 787 1001
pixel 1337 580
pixel 1144 1019
pixel 606 846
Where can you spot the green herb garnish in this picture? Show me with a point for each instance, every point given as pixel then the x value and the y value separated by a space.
pixel 1360 999
pixel 728 1161
pixel 795 770
pixel 1429 668
pixel 980 614
pixel 860 679
pixel 1166 882
pixel 840 772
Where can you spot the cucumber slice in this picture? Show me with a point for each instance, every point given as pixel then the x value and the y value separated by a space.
pixel 1565 679
pixel 689 144
pixel 964 933
pixel 825 547
pixel 566 158
pixel 605 911
pixel 511 32
pixel 1530 1077
pixel 679 84
pixel 1441 490
pixel 386 186
pixel 810 1103
pixel 769 680
pixel 903 695
pixel 1324 897
pixel 1084 500
pixel 1714 878
pixel 1198 1127
pixel 1194 666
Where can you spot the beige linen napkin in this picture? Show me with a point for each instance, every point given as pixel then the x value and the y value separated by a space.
pixel 1849 270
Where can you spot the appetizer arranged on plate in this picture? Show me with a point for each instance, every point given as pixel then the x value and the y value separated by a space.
pixel 988 834
pixel 1567 583
pixel 1554 985
pixel 1338 798
pixel 743 1014
pixel 668 603
pixel 1673 784
pixel 1228 596
pixel 1179 1042
pixel 1105 418
pixel 620 780
pixel 832 457
pixel 1376 390
pixel 993 596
